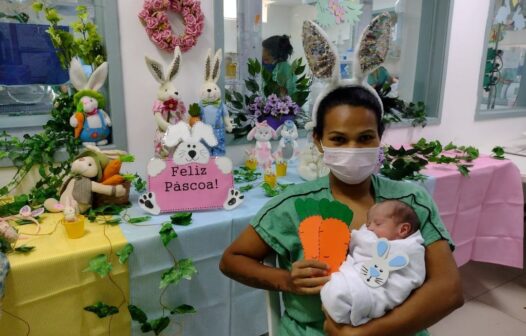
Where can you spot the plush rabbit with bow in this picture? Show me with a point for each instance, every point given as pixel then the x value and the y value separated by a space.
pixel 92 124
pixel 263 133
pixel 288 145
pixel 168 109
pixel 213 110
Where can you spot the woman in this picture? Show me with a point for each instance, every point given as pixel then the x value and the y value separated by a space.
pixel 276 52
pixel 348 130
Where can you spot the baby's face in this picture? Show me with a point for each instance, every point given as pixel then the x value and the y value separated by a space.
pixel 381 222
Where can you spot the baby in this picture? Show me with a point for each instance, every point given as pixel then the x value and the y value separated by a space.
pixel 385 264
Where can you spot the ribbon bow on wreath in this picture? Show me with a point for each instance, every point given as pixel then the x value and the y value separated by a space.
pixel 154 18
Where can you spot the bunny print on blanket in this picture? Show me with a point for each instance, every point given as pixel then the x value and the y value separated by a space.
pixel 92 124
pixel 376 272
pixel 168 109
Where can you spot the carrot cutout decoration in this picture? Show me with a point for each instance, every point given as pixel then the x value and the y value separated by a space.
pixel 324 230
pixel 195 114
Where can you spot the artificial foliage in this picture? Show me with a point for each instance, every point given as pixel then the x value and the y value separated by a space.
pixel 396 109
pixel 83 42
pixel 260 85
pixel 39 150
pixel 401 163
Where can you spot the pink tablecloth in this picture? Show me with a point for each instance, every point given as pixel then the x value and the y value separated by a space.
pixel 484 212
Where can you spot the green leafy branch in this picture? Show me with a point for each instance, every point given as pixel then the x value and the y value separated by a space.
pixel 274 191
pixel 181 269
pixel 405 163
pixel 84 42
pixel 498 153
pixel 397 109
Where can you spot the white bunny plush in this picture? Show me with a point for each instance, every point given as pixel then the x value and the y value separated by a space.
pixel 92 124
pixel 288 146
pixel 168 109
pixel 213 111
pixel 311 165
pixel 263 133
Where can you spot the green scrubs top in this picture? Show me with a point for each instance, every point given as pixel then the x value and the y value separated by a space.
pixel 277 224
pixel 284 76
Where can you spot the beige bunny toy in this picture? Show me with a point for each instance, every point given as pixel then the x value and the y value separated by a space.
pixel 168 109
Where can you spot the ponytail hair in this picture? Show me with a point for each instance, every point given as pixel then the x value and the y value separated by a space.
pixel 279 47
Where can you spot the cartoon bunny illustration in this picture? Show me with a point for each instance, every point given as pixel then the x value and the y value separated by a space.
pixel 288 146
pixel 213 111
pixel 376 271
pixel 168 109
pixel 189 142
pixel 263 133
pixel 92 124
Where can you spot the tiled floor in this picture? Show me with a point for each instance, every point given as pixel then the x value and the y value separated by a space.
pixel 495 303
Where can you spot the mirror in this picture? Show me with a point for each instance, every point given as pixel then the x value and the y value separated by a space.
pixel 416 59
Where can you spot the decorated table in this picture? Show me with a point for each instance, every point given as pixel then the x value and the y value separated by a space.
pixel 47 288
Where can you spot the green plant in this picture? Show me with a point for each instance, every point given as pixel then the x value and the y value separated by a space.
pixel 498 153
pixel 262 83
pixel 404 163
pixel 84 42
pixel 39 151
pixel 181 269
pixel 395 109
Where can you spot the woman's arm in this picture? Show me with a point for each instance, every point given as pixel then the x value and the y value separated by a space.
pixel 242 261
pixel 440 294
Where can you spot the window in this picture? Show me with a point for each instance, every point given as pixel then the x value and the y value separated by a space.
pixel 30 71
pixel 502 86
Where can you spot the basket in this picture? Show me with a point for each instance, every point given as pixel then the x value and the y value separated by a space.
pixel 101 200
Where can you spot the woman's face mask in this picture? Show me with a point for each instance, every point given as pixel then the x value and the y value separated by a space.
pixel 268 66
pixel 351 165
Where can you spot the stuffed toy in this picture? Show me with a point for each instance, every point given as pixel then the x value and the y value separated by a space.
pixel 93 171
pixel 92 124
pixel 288 146
pixel 168 109
pixel 311 166
pixel 213 111
pixel 263 133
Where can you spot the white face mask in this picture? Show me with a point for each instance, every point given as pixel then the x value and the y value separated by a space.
pixel 351 165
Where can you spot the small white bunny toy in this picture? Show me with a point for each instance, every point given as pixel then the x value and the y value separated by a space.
pixel 376 271
pixel 311 165
pixel 92 124
pixel 168 109
pixel 263 133
pixel 213 111
pixel 288 146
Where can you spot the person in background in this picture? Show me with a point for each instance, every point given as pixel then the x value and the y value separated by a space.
pixel 276 53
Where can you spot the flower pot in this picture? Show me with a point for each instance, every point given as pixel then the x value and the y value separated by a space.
pixel 270 179
pixel 275 122
pixel 281 169
pixel 75 229
pixel 251 164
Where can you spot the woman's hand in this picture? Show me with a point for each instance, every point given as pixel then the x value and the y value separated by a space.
pixel 307 277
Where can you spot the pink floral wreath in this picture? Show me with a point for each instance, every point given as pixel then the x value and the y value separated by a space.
pixel 154 18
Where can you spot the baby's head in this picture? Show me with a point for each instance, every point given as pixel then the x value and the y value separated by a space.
pixel 392 220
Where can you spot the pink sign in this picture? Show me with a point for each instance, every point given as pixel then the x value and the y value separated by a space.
pixel 193 186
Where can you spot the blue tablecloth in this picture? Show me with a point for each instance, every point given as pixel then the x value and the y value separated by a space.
pixel 225 307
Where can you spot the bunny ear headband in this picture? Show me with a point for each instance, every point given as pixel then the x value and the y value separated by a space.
pixel 322 57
